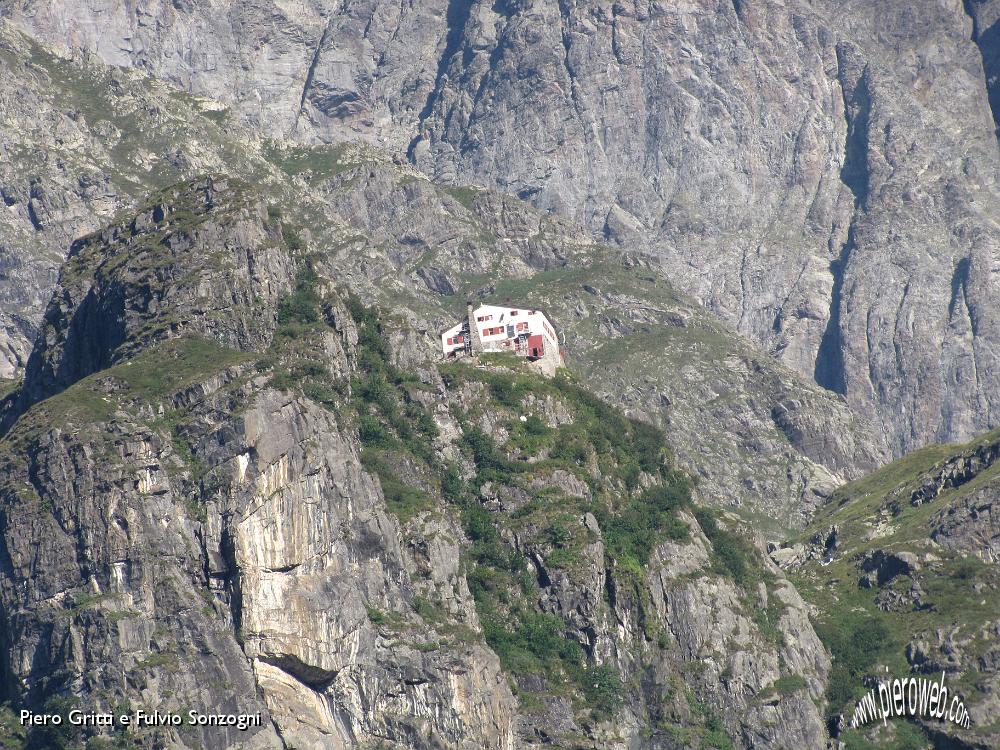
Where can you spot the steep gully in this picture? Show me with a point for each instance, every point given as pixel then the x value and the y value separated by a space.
pixel 829 371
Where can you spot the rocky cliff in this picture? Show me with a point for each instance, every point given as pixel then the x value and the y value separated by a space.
pixel 291 510
pixel 822 176
pixel 235 476
pixel 765 440
pixel 902 568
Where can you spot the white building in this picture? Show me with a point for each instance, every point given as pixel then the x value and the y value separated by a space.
pixel 494 328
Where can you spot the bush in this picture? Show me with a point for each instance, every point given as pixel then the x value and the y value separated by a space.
pixel 856 646
pixel 507 392
pixel 372 433
pixel 646 519
pixel 571 445
pixel 402 500
pixel 492 464
pixel 293 241
pixel 535 427
pixel 453 489
pixel 789 683
pixel 535 643
pixel 301 307
pixel 557 533
pixel 373 348
pixel 735 557
pixel 602 686
pixel 375 389
pixel 647 445
pixel 478 524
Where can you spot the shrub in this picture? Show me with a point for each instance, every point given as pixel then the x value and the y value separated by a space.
pixel 856 645
pixel 789 683
pixel 535 427
pixel 478 524
pixel 557 533
pixel 372 433
pixel 735 557
pixel 292 238
pixel 571 446
pixel 602 686
pixel 403 500
pixel 507 392
pixel 487 457
pixel 453 489
pixel 301 306
pixel 375 389
pixel 647 518
pixel 647 445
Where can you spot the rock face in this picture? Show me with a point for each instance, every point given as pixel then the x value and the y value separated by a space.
pixel 758 435
pixel 118 285
pixel 914 555
pixel 810 180
pixel 233 563
pixel 249 514
pixel 823 178
pixel 80 144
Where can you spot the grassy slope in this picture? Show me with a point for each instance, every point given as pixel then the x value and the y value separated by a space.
pixel 959 592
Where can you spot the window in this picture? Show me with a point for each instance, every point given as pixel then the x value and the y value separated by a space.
pixel 513 313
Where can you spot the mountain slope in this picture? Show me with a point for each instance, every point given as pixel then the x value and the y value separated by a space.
pixel 821 175
pixel 769 443
pixel 911 551
pixel 318 523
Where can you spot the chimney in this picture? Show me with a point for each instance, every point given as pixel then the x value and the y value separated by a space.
pixel 475 340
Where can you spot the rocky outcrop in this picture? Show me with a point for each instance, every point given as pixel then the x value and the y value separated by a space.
pixel 826 188
pixel 955 472
pixel 970 524
pixel 205 248
pixel 81 143
pixel 391 234
pixel 246 512
pixel 880 567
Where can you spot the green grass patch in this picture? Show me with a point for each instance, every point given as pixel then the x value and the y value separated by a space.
pixel 402 500
pixel 631 533
pixel 857 642
pixel 733 555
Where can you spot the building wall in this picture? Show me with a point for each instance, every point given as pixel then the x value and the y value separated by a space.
pixel 499 326
pixel 451 340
